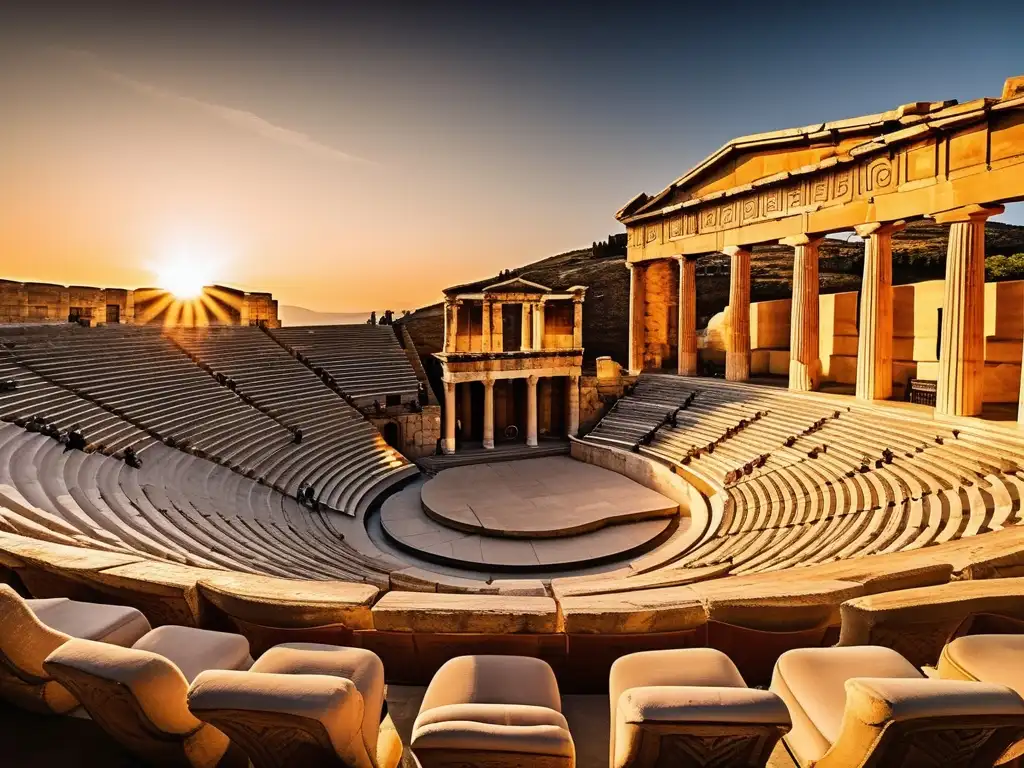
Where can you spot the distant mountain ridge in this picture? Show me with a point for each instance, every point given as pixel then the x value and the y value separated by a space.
pixel 291 315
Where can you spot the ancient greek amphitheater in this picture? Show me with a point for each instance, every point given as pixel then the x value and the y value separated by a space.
pixel 504 552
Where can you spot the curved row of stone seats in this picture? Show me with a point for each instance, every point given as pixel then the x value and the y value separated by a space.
pixel 176 507
pixel 366 361
pixel 147 379
pixel 752 618
pixel 806 482
pixel 341 454
pixel 35 397
pixel 142 376
pixel 265 609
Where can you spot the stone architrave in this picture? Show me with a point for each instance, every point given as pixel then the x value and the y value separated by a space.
pixel 737 354
pixel 449 417
pixel 488 414
pixel 874 343
pixel 961 382
pixel 573 415
pixel 531 411
pixel 804 354
pixel 687 317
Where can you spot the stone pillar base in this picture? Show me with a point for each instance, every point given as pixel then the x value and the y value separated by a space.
pixel 804 377
pixel 737 366
pixel 688 364
pixel 448 445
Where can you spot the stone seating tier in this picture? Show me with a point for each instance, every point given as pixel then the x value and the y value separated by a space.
pixel 366 361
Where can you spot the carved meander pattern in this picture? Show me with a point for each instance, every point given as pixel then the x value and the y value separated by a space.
pixel 828 188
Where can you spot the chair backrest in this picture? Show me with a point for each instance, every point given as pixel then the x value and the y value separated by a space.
pixel 494 680
pixel 25 642
pixel 361 666
pixel 139 698
pixel 909 721
pixel 282 720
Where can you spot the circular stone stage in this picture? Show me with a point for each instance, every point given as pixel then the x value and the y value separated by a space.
pixel 550 512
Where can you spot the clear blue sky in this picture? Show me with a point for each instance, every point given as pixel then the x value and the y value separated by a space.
pixel 350 156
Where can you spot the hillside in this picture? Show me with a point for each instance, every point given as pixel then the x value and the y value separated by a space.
pixel 291 315
pixel 919 253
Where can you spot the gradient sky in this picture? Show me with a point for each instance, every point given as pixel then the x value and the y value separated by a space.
pixel 357 156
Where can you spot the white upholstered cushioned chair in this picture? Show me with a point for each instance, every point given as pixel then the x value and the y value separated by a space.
pixel 495 711
pixel 692 704
pixel 31 629
pixel 139 695
pixel 867 705
pixel 987 659
pixel 303 704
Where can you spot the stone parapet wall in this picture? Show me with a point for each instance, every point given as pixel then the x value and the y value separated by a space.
pixel 89 305
pixel 418 433
pixel 916 312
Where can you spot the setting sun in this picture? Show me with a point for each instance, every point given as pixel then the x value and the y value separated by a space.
pixel 184 279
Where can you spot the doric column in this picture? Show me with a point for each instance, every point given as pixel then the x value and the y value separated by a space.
pixel 488 413
pixel 635 364
pixel 687 317
pixel 577 322
pixel 453 331
pixel 531 411
pixel 448 444
pixel 538 325
pixel 485 330
pixel 804 356
pixel 573 406
pixel 962 344
pixel 874 343
pixel 466 410
pixel 737 351
pixel 525 344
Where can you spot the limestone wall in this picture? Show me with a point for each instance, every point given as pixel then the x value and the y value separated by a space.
pixel 47 302
pixel 661 314
pixel 558 318
pixel 418 433
pixel 916 319
pixel 650 474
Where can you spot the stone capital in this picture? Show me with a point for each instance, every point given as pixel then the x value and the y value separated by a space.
pixel 630 265
pixel 732 250
pixel 967 213
pixel 488 383
pixel 879 228
pixel 532 380
pixel 804 239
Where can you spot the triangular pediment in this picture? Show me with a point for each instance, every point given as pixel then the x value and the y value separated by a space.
pixel 750 160
pixel 517 285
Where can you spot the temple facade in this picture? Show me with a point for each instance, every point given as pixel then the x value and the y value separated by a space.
pixel 953 163
pixel 511 364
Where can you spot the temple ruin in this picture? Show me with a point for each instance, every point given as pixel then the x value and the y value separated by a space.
pixel 954 163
